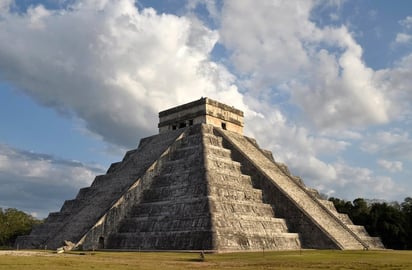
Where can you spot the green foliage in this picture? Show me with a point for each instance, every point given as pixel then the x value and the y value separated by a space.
pixel 14 223
pixel 391 222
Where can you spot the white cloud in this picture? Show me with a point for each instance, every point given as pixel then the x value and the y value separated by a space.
pixel 112 65
pixel 261 48
pixel 281 52
pixel 403 38
pixel 391 144
pixel 294 145
pixel 39 182
pixel 407 22
pixel 355 182
pixel 331 84
pixel 392 166
pixel 5 6
pixel 45 168
pixel 397 82
pixel 37 15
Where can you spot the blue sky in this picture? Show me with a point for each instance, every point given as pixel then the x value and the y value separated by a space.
pixel 325 85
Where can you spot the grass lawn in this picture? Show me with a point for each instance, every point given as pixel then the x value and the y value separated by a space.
pixel 309 259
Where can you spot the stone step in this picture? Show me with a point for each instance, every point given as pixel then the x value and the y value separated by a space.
pixel 171 240
pixel 189 140
pixel 239 193
pixel 45 229
pixel 165 223
pixel 255 233
pixel 182 208
pixel 170 166
pixel 83 193
pixel 103 180
pixel 229 177
pixel 251 224
pixel 223 164
pixel 341 216
pixel 373 242
pixel 31 242
pixel 210 139
pixel 232 186
pixel 69 205
pixel 183 180
pixel 56 217
pixel 212 150
pixel 257 241
pixel 113 167
pixel 186 151
pixel 344 218
pixel 174 191
pixel 328 204
pixel 129 154
pixel 165 173
pixel 240 208
pixel 359 230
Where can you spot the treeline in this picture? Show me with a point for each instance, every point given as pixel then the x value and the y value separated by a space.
pixel 14 223
pixel 392 222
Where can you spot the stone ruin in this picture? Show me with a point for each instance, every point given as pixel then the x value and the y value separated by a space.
pixel 199 184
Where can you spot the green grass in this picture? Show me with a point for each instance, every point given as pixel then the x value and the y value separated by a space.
pixel 310 259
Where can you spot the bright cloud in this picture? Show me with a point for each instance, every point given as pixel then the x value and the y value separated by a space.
pixel 403 38
pixel 362 182
pixel 392 166
pixel 5 6
pixel 334 87
pixel 393 144
pixel 117 72
pixel 407 22
pixel 41 179
pixel 331 84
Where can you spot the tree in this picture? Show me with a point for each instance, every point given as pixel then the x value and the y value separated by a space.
pixel 14 223
pixel 360 212
pixel 406 207
pixel 342 206
pixel 391 222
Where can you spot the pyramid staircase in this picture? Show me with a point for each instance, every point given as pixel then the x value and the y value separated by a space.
pixel 316 220
pixel 242 221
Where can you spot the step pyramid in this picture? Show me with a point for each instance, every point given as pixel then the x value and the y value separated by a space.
pixel 200 184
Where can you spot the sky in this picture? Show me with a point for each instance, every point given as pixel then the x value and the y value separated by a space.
pixel 325 85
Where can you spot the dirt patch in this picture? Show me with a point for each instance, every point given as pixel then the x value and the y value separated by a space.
pixel 26 253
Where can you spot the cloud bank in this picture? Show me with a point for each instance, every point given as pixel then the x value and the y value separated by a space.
pixel 112 65
pixel 33 181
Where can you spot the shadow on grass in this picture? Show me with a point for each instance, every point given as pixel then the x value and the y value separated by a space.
pixel 195 260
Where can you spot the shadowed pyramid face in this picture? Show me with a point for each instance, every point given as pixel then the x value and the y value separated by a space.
pixel 199 187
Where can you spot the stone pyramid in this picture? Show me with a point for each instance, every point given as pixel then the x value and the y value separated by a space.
pixel 199 185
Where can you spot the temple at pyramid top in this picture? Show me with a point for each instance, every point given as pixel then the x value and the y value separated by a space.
pixel 204 110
